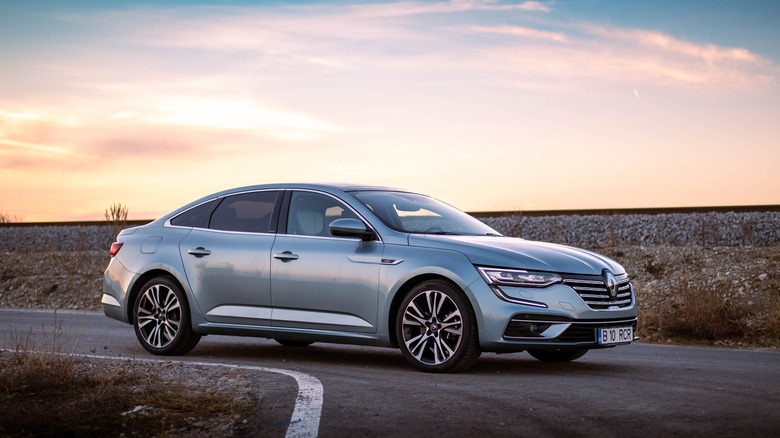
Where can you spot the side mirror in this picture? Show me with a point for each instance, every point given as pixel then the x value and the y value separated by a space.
pixel 348 227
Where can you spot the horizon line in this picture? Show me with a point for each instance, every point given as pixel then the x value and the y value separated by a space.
pixel 500 213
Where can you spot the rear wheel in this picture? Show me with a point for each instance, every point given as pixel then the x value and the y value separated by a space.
pixel 161 318
pixel 436 328
pixel 559 355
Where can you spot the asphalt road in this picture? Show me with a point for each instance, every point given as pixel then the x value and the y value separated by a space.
pixel 635 390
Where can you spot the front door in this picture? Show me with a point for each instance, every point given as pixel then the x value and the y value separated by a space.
pixel 320 281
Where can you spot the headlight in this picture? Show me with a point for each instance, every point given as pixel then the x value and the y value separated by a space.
pixel 519 277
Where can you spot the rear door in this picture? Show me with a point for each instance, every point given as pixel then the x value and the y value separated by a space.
pixel 228 263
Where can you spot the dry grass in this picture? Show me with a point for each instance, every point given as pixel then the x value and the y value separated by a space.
pixel 701 314
pixel 6 218
pixel 711 296
pixel 46 392
pixel 116 219
pixel 50 395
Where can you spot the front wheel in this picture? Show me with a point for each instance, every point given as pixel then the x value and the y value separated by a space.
pixel 436 328
pixel 161 318
pixel 559 355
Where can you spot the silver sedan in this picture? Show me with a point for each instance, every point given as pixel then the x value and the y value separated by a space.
pixel 304 263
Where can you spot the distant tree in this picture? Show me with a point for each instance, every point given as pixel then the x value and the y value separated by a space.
pixel 7 218
pixel 116 218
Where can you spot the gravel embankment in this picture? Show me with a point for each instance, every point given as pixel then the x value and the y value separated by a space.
pixel 600 231
pixel 593 231
pixel 55 238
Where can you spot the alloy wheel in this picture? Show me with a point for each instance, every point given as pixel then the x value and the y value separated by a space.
pixel 159 316
pixel 432 327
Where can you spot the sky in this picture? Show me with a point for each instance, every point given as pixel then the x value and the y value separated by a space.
pixel 487 105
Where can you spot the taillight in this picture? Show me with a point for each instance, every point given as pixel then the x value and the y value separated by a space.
pixel 115 247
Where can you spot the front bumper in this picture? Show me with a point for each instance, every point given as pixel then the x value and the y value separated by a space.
pixel 561 332
pixel 546 318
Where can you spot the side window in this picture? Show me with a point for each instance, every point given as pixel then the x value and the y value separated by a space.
pixel 311 214
pixel 194 217
pixel 248 212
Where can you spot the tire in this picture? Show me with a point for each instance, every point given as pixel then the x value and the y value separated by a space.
pixel 295 344
pixel 560 355
pixel 161 317
pixel 436 328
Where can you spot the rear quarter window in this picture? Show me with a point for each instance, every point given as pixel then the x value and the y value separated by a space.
pixel 247 212
pixel 194 217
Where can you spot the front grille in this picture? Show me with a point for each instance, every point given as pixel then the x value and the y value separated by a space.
pixel 593 291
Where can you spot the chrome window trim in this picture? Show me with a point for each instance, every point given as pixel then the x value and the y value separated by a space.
pixel 347 239
pixel 168 224
pixel 341 201
pixel 254 233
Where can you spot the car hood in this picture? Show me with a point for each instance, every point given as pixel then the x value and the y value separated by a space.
pixel 508 252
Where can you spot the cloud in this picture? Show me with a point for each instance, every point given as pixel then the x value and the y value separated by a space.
pixel 535 59
pixel 657 40
pixel 33 147
pixel 165 82
pixel 241 115
pixel 397 36
pixel 418 8
pixel 669 61
pixel 523 32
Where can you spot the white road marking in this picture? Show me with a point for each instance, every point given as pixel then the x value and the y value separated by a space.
pixel 305 420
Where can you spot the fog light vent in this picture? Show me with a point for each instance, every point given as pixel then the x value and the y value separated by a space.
pixel 525 329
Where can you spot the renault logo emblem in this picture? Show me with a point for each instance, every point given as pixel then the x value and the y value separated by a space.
pixel 612 284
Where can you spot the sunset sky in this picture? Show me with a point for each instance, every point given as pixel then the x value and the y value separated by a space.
pixel 488 105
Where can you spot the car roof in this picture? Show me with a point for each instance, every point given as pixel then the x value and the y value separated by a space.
pixel 344 187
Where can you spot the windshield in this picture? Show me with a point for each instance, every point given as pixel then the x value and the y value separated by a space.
pixel 412 213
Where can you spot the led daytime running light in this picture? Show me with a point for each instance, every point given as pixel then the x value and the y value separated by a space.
pixel 519 277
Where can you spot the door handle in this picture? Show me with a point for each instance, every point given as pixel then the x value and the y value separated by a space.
pixel 199 252
pixel 286 256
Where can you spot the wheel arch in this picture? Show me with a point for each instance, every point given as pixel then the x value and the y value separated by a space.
pixel 141 281
pixel 395 304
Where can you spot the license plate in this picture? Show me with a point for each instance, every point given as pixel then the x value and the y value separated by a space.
pixel 615 335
